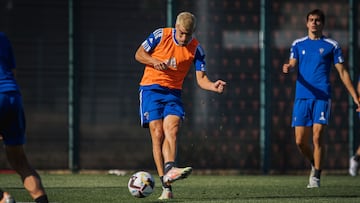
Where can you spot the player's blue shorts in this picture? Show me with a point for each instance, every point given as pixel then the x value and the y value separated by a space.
pixel 157 102
pixel 306 112
pixel 12 118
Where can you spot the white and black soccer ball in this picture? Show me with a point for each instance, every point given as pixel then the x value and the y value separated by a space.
pixel 141 184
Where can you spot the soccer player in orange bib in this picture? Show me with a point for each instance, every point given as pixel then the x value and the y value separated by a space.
pixel 168 54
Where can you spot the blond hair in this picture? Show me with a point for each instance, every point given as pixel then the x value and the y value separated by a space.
pixel 187 20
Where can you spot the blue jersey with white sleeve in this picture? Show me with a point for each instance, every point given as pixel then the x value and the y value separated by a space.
pixel 12 116
pixel 7 63
pixel 315 59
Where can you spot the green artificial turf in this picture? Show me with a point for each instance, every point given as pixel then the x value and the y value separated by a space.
pixel 93 188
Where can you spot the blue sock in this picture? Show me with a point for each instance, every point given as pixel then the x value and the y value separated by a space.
pixel 163 184
pixel 317 173
pixel 168 166
pixel 42 199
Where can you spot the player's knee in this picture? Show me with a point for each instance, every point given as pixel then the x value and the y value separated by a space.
pixel 300 144
pixel 157 134
pixel 171 137
pixel 317 141
pixel 171 130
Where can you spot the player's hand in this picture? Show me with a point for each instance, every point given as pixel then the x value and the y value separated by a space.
pixel 286 68
pixel 219 86
pixel 358 108
pixel 358 105
pixel 160 65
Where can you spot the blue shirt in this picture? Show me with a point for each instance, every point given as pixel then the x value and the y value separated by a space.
pixel 7 63
pixel 315 59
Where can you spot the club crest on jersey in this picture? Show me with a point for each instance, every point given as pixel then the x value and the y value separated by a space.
pixel 303 52
pixel 321 50
pixel 146 115
pixel 171 62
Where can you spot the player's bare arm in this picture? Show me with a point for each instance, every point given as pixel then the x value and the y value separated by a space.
pixel 358 91
pixel 145 58
pixel 204 82
pixel 289 67
pixel 345 78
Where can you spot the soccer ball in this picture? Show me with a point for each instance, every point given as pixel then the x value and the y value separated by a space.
pixel 141 184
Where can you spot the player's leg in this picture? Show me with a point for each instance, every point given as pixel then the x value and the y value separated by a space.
pixel 31 179
pixel 302 123
pixel 173 173
pixel 320 117
pixel 151 115
pixel 358 151
pixel 321 114
pixel 302 136
pixel 355 160
pixel 171 128
pixel 169 153
pixel 157 139
pixel 318 130
pixel 13 133
pixel 354 163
